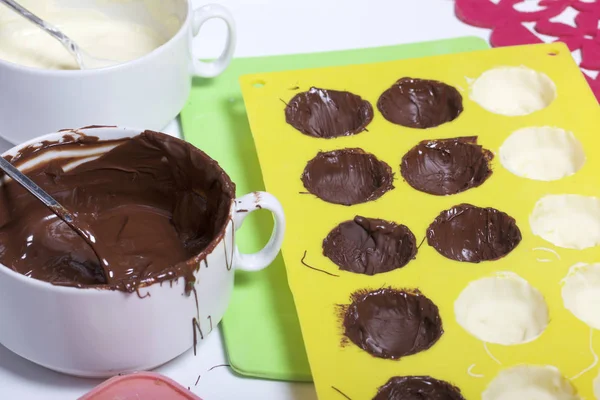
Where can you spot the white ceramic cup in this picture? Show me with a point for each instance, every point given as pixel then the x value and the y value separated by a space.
pixel 99 333
pixel 149 91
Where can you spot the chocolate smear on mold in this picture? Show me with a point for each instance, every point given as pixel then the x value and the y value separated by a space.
pixel 370 246
pixel 446 166
pixel 420 103
pixel 473 234
pixel 347 176
pixel 390 323
pixel 155 205
pixel 313 268
pixel 417 388
pixel 341 393
pixel 327 114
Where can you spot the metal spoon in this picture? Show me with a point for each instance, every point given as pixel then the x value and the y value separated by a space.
pixel 59 210
pixel 84 60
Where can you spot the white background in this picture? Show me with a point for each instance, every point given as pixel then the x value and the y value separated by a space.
pixel 265 27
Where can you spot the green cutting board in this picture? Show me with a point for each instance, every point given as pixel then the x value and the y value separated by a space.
pixel 261 327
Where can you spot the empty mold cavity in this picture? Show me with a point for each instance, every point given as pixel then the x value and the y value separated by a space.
pixel 581 293
pixel 513 91
pixel 503 309
pixel 530 382
pixel 570 221
pixel 542 153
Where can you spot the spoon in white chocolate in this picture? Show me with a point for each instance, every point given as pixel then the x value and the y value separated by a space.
pixel 84 60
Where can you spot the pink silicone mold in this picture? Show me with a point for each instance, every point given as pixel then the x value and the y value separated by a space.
pixel 140 385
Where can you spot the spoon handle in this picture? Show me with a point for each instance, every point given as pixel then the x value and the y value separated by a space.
pixel 34 189
pixel 70 45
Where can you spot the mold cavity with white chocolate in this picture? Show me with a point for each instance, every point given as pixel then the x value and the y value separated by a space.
pixel 513 91
pixel 503 309
pixel 542 153
pixel 581 293
pixel 567 220
pixel 530 382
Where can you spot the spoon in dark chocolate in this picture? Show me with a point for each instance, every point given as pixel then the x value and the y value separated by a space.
pixel 54 206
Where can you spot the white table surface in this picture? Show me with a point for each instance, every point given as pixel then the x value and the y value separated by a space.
pixel 265 27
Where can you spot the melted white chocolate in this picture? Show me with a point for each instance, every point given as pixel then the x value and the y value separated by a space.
pixel 503 309
pixel 567 220
pixel 513 91
pixel 100 35
pixel 581 293
pixel 529 382
pixel 542 153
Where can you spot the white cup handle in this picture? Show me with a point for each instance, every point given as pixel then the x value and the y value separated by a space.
pixel 243 207
pixel 201 15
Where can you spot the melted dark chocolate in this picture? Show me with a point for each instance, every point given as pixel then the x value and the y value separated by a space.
pixel 446 166
pixel 328 114
pixel 390 323
pixel 155 204
pixel 370 246
pixel 420 103
pixel 473 234
pixel 347 177
pixel 417 388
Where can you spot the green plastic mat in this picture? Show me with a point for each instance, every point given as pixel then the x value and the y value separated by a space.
pixel 261 328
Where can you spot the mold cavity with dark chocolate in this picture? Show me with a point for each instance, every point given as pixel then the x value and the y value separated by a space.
pixel 370 246
pixel 446 166
pixel 155 205
pixel 390 323
pixel 328 114
pixel 347 176
pixel 420 103
pixel 417 388
pixel 473 234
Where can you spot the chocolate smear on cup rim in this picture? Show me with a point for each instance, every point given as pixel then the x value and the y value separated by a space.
pixel 155 204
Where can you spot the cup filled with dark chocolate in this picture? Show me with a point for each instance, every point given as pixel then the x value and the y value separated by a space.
pixel 161 215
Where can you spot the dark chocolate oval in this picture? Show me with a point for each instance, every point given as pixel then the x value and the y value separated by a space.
pixel 370 246
pixel 417 388
pixel 446 166
pixel 473 234
pixel 328 114
pixel 347 176
pixel 420 103
pixel 389 323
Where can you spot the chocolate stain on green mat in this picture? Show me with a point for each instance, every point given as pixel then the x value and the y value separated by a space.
pixel 215 120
